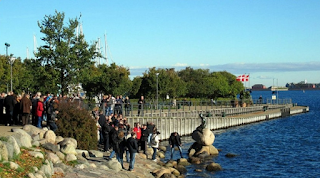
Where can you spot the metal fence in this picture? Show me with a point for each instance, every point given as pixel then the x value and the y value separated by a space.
pixel 186 108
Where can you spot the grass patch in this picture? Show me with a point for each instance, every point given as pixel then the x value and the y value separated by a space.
pixel 26 163
pixel 72 163
pixel 5 139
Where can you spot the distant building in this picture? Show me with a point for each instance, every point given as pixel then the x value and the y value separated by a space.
pixel 258 87
pixel 303 85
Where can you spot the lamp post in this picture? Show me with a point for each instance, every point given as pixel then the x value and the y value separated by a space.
pixel 157 89
pixel 7 46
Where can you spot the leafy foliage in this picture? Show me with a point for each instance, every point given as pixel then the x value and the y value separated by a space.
pixel 77 123
pixel 64 51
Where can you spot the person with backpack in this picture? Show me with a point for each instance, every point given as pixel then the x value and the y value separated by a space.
pixel 155 144
pixel 175 140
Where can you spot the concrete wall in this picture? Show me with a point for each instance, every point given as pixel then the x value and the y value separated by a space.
pixel 187 123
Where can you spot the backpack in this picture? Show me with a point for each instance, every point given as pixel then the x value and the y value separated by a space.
pixel 153 140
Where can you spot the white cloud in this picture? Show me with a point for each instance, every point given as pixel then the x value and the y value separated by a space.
pixel 180 65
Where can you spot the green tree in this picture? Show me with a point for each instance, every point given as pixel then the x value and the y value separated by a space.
pixel 64 51
pixel 4 73
pixel 168 80
pixel 105 79
pixel 197 82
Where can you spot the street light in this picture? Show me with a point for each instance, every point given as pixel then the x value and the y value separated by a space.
pixel 157 88
pixel 7 46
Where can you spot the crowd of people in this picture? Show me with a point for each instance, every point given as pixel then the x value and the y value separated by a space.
pixel 113 131
pixel 116 136
pixel 24 108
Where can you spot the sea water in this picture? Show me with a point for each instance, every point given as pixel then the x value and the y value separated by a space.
pixel 283 147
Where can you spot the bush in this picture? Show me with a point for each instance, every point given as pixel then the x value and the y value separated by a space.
pixel 77 123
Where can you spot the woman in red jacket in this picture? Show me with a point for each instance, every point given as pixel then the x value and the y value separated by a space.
pixel 39 112
pixel 137 130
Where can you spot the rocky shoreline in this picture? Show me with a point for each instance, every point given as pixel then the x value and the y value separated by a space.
pixel 93 163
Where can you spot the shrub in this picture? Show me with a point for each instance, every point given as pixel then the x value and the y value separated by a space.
pixel 77 123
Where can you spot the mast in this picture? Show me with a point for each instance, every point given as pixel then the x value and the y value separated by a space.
pixel 28 56
pixel 105 48
pixel 35 46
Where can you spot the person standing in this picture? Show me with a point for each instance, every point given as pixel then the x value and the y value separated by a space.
pixel 137 130
pixel 127 106
pixel 133 149
pixel 113 140
pixel 175 140
pixel 25 107
pixel 155 144
pixel 106 129
pixel 9 103
pixel 34 101
pixel 52 120
pixel 150 127
pixel 39 112
pixel 2 110
pixel 141 103
pixel 144 138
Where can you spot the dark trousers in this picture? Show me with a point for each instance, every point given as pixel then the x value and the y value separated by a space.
pixel 9 117
pixel 34 119
pixel 106 143
pixel 2 118
pixel 144 146
pixel 25 118
pixel 52 125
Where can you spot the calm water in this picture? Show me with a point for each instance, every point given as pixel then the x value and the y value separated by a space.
pixel 284 147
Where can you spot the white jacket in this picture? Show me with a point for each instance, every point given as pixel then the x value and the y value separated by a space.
pixel 155 137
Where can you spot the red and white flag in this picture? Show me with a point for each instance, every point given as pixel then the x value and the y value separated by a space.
pixel 243 78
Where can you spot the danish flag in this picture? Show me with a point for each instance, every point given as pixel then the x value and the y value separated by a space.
pixel 243 78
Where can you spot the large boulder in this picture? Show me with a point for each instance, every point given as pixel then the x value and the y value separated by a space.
pixel 161 154
pixel 50 136
pixel 47 168
pixel 211 150
pixel 163 148
pixel 53 158
pixel 183 162
pixel 12 147
pixel 213 167
pixel 71 157
pixel 194 160
pixel 22 138
pixel 114 165
pixel 36 154
pixel 181 169
pixel 69 141
pixel 68 149
pixel 33 130
pixel 3 151
pixel 205 138
pixel 51 147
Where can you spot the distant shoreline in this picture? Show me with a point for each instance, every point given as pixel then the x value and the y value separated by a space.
pixel 287 89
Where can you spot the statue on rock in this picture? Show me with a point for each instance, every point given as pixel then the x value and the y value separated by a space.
pixel 204 138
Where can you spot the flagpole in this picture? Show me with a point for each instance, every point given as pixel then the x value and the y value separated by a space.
pixel 249 79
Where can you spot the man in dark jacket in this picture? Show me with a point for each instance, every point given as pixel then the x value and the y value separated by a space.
pixel 113 140
pixel 150 127
pixel 132 144
pixel 9 103
pixel 101 121
pixel 175 140
pixel 52 120
pixel 144 138
pixel 106 130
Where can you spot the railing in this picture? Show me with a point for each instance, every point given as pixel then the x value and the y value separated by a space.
pixel 189 108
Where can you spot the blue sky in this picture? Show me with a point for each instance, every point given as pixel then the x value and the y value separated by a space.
pixel 272 40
